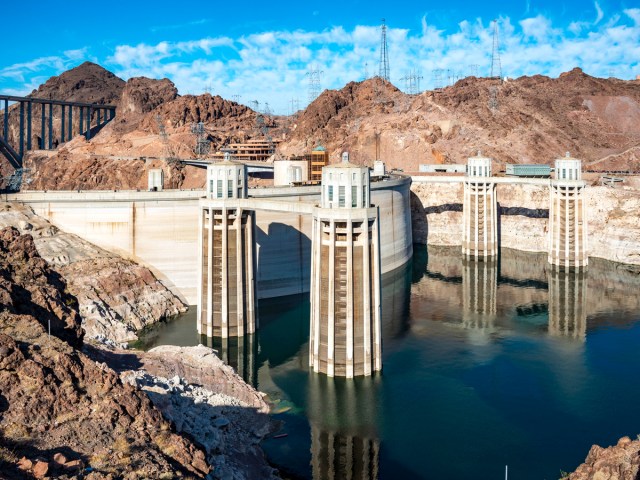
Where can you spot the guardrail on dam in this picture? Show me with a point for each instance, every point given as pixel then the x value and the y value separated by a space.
pixel 160 230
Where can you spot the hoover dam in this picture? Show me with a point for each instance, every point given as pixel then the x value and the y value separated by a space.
pixel 160 230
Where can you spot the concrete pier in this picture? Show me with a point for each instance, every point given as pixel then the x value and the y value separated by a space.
pixel 226 296
pixel 480 210
pixel 567 216
pixel 345 338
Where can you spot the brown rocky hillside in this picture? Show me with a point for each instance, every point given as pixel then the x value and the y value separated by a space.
pixel 86 83
pixel 63 415
pixel 535 119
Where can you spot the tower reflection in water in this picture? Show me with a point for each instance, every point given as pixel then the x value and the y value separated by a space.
pixel 479 294
pixel 238 352
pixel 568 303
pixel 344 439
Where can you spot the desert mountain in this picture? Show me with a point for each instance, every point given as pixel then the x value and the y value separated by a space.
pixel 534 120
pixel 525 120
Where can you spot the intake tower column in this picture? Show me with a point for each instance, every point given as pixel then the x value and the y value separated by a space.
pixel 345 337
pixel 567 216
pixel 480 211
pixel 226 296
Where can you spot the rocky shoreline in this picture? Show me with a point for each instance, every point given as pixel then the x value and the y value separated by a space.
pixel 76 410
pixel 116 297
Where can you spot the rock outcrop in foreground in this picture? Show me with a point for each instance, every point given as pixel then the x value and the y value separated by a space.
pixel 63 414
pixel 620 462
pixel 206 399
pixel 116 297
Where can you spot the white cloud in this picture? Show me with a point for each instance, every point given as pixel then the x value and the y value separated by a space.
pixel 271 66
pixel 25 72
pixel 599 12
pixel 634 14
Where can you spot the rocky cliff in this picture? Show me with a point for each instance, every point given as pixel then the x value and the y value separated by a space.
pixel 116 297
pixel 613 223
pixel 63 414
pixel 619 462
pixel 207 399
pixel 537 119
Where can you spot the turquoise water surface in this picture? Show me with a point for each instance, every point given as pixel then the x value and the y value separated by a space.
pixel 484 366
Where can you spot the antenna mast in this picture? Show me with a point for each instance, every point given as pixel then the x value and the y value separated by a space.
pixel 496 67
pixel 384 53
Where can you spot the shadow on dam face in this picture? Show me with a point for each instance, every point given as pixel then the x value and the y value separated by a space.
pixel 283 260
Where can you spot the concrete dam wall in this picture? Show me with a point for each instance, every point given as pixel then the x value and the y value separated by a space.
pixel 612 222
pixel 160 230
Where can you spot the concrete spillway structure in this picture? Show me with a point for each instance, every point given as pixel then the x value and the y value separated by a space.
pixel 480 210
pixel 345 338
pixel 226 297
pixel 567 216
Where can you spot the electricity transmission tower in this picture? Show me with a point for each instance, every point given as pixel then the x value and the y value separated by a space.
pixel 496 67
pixel 314 82
pixel 412 82
pixel 202 142
pixel 384 53
pixel 493 98
pixel 294 106
pixel 437 78
pixel 164 138
pixel 235 98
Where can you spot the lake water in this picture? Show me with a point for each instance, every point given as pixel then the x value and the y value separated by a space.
pixel 484 366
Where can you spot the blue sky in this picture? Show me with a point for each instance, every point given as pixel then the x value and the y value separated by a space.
pixel 262 51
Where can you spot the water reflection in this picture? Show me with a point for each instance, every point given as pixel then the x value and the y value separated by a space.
pixel 568 303
pixel 479 294
pixel 396 297
pixel 238 352
pixel 475 351
pixel 344 439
